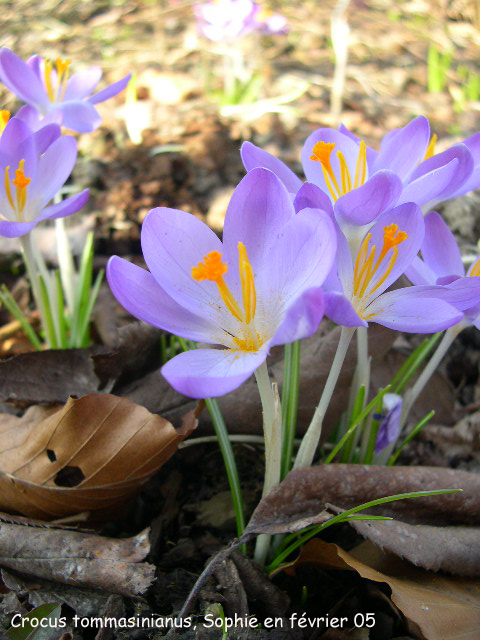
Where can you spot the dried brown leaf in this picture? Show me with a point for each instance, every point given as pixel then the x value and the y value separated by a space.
pixel 437 607
pixel 301 498
pixel 90 454
pixel 77 558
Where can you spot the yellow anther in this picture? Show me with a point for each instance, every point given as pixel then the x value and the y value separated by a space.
pixel 361 169
pixel 21 180
pixel 346 180
pixel 8 190
pixel 62 72
pixel 4 118
pixel 214 269
pixel 431 147
pixel 476 269
pixel 249 295
pixel 48 80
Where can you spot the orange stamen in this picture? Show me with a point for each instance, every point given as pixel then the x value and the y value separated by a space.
pixel 431 147
pixel 4 118
pixel 321 153
pixel 214 269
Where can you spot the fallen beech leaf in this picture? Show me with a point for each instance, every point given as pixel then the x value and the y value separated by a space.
pixel 77 558
pixel 438 607
pixel 452 549
pixel 89 455
pixel 301 498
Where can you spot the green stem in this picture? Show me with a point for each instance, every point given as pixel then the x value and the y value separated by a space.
pixel 291 383
pixel 311 439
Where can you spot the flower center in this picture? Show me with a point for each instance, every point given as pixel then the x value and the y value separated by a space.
pixel 4 118
pixel 321 153
pixel 368 269
pixel 62 77
pixel 20 182
pixel 212 268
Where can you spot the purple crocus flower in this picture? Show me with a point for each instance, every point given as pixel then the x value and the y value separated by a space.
pixel 389 428
pixel 442 266
pixel 258 288
pixel 31 178
pixel 225 20
pixel 269 23
pixel 356 291
pixel 360 183
pixel 50 89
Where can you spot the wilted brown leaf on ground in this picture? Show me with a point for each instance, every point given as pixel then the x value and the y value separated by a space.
pixel 301 498
pixel 452 549
pixel 78 558
pixel 90 454
pixel 436 607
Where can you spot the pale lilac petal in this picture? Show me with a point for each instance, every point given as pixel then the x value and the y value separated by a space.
pixel 427 188
pixel 463 169
pixel 412 311
pixel 54 167
pixel 17 143
pixel 364 204
pixel 10 229
pixel 254 157
pixel 419 273
pixel 45 136
pixel 302 319
pixel 81 84
pixel 403 150
pixel 80 116
pixel 462 293
pixel 110 91
pixel 65 208
pixel 343 143
pixel 340 310
pixel 21 80
pixel 172 243
pixel 439 249
pixel 208 373
pixel 138 292
pixel 309 196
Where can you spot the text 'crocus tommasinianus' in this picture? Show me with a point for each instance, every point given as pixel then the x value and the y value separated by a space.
pixel 258 288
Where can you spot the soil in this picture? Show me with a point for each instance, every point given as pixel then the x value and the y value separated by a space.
pixel 188 159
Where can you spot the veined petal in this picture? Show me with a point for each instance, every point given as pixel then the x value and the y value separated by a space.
pixel 364 204
pixel 426 189
pixel 21 80
pixel 110 91
pixel 412 311
pixel 66 207
pixel 462 293
pixel 340 310
pixel 139 293
pixel 81 84
pixel 302 318
pixel 54 167
pixel 309 196
pixel 402 150
pixel 80 116
pixel 208 373
pixel 473 181
pixel 253 157
pixel 439 248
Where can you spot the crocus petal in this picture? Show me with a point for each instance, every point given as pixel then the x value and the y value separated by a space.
pixel 389 429
pixel 426 189
pixel 462 293
pixel 473 181
pixel 302 319
pixel 173 242
pixel 82 83
pixel 80 116
pixel 65 208
pixel 54 167
pixel 343 143
pixel 309 196
pixel 139 293
pixel 110 91
pixel 10 229
pixel 439 249
pixel 254 157
pixel 260 206
pixel 419 273
pixel 21 80
pixel 363 205
pixel 412 311
pixel 340 310
pixel 208 373
pixel 45 136
pixel 404 149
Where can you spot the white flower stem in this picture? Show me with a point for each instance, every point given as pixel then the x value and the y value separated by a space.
pixel 65 262
pixel 33 269
pixel 311 439
pixel 272 431
pixel 413 393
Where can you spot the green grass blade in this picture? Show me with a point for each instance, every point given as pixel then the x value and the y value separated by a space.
pixel 11 305
pixel 418 427
pixel 291 383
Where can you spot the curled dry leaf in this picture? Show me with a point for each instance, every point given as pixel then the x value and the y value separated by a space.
pixel 436 607
pixel 301 498
pixel 91 454
pixel 78 558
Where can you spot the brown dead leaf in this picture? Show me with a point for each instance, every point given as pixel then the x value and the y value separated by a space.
pixel 436 607
pixel 300 500
pixel 78 558
pixel 90 454
pixel 455 550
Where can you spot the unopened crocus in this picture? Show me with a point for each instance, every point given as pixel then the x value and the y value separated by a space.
pixel 258 288
pixel 49 88
pixel 361 183
pixel 270 23
pixel 31 178
pixel 389 428
pixel 225 20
